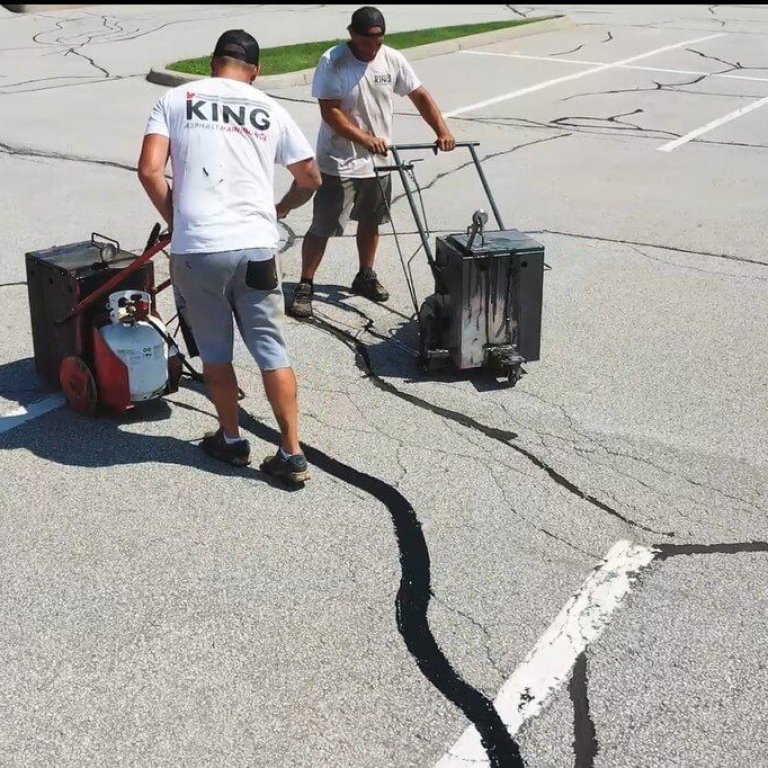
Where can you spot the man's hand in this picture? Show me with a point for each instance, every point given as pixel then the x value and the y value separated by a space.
pixel 445 142
pixel 281 211
pixel 376 145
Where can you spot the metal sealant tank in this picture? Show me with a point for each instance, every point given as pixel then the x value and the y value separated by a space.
pixel 138 344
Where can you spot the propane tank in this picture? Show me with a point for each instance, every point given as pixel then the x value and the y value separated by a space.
pixel 138 343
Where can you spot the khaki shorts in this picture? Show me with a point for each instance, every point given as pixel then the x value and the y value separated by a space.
pixel 339 200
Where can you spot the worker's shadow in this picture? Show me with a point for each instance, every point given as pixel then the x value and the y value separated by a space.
pixel 67 438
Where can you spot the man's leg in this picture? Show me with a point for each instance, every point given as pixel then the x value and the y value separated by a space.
pixel 312 252
pixel 330 207
pixel 370 209
pixel 367 243
pixel 366 283
pixel 222 387
pixel 202 280
pixel 280 389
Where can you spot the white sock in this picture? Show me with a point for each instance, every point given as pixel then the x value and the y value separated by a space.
pixel 231 440
pixel 284 454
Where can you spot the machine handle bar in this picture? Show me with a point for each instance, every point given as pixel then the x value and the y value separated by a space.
pixel 432 146
pixel 470 145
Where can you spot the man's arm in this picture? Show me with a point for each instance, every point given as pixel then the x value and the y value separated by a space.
pixel 154 157
pixel 331 112
pixel 306 181
pixel 430 112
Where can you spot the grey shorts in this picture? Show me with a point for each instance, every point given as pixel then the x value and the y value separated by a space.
pixel 217 287
pixel 339 200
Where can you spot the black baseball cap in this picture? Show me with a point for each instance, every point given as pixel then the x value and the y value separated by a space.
pixel 238 44
pixel 365 19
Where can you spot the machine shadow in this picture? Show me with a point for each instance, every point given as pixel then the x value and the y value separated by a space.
pixel 396 354
pixel 79 441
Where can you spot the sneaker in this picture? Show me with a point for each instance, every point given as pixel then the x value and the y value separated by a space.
pixel 294 469
pixel 366 284
pixel 237 454
pixel 301 304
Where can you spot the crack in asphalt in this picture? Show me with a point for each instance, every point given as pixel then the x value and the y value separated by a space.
pixel 364 362
pixel 585 746
pixel 495 663
pixel 519 13
pixel 563 53
pixel 641 133
pixel 73 52
pixel 28 152
pixel 673 248
pixel 612 123
pixel 695 269
pixel 489 156
pixel 665 551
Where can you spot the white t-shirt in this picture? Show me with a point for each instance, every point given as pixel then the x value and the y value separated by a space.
pixel 226 137
pixel 366 90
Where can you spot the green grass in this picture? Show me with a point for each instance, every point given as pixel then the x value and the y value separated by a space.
pixel 292 58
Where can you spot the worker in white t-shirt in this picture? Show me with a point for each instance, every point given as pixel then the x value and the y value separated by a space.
pixel 224 138
pixel 355 84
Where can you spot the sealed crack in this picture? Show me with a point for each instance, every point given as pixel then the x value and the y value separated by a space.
pixel 665 551
pixel 412 603
pixel 585 746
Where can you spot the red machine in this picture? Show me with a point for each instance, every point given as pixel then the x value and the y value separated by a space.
pixel 95 327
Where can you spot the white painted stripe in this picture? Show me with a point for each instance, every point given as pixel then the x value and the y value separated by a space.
pixel 549 664
pixel 576 75
pixel 579 62
pixel 711 126
pixel 37 408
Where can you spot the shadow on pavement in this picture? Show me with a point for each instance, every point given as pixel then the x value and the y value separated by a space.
pixel 100 442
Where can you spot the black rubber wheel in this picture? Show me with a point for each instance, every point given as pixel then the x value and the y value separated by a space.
pixel 515 374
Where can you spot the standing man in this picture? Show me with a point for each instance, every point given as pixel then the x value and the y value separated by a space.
pixel 224 138
pixel 355 84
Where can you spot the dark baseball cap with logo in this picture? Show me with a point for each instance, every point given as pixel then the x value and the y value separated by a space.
pixel 365 19
pixel 238 44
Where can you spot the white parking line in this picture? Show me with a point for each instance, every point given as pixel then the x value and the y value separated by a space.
pixel 576 75
pixel 549 664
pixel 26 413
pixel 711 126
pixel 632 67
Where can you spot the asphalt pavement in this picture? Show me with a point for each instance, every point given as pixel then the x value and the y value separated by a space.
pixel 157 608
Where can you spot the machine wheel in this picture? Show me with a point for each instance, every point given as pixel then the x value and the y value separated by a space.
pixel 79 385
pixel 515 374
pixel 432 322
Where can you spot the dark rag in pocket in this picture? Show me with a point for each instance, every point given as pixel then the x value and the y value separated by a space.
pixel 262 275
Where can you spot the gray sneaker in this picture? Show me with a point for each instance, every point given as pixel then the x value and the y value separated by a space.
pixel 300 306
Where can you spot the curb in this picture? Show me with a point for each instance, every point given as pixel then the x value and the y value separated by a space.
pixel 162 76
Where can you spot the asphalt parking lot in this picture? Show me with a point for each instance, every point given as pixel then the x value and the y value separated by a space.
pixel 572 568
